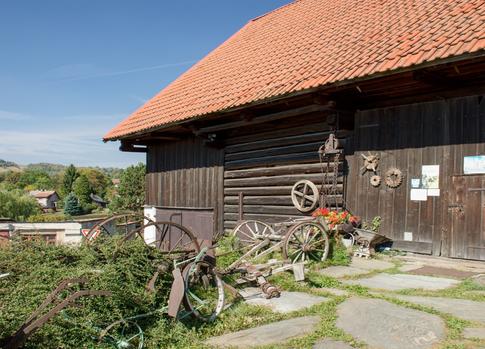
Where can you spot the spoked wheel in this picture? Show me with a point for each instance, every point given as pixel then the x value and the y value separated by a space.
pixel 122 224
pixel 204 291
pixel 172 239
pixel 123 334
pixel 306 241
pixel 304 195
pixel 250 233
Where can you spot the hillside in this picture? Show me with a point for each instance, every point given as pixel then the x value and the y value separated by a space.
pixel 9 166
pixel 53 169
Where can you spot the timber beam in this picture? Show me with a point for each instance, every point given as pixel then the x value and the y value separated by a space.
pixel 130 147
pixel 314 108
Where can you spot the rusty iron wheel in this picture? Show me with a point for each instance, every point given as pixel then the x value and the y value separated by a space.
pixel 304 195
pixel 123 334
pixel 172 239
pixel 306 241
pixel 120 224
pixel 204 291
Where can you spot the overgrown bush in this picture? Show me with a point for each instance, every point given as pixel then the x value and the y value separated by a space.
pixel 18 205
pixel 36 269
pixel 48 218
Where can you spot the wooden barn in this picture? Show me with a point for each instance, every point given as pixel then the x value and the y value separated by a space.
pixel 400 83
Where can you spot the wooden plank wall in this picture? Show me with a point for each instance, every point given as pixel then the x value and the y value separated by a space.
pixel 186 173
pixel 263 163
pixel 407 137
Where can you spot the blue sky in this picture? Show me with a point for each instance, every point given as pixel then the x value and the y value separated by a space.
pixel 71 70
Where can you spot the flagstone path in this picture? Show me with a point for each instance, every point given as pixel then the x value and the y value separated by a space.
pixel 286 302
pixel 395 282
pixel 461 308
pixel 277 332
pixel 376 322
pixel 381 324
pixel 358 266
pixel 470 332
pixel 331 344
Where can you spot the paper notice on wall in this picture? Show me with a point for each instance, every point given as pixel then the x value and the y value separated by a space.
pixel 408 236
pixel 419 194
pixel 430 176
pixel 433 192
pixel 415 182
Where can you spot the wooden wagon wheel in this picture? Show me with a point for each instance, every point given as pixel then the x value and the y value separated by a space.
pixel 204 291
pixel 304 195
pixel 123 334
pixel 253 235
pixel 306 241
pixel 106 227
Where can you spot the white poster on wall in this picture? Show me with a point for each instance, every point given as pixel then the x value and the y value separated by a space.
pixel 419 194
pixel 430 176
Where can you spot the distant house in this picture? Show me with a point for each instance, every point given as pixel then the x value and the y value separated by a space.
pixel 98 200
pixel 47 199
pixel 116 182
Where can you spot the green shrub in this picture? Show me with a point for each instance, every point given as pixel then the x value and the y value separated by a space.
pixel 36 269
pixel 17 205
pixel 48 218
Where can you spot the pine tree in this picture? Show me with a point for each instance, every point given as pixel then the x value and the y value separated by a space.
pixel 71 205
pixel 70 176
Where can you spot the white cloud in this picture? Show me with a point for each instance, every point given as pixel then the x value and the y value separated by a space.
pixel 78 140
pixel 13 116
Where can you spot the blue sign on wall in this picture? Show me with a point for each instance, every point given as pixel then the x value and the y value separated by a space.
pixel 474 164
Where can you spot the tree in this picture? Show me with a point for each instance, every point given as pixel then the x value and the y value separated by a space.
pixel 70 176
pixel 131 192
pixel 82 189
pixel 17 205
pixel 34 179
pixel 71 205
pixel 98 181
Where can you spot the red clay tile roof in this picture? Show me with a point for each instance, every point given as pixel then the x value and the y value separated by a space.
pixel 310 43
pixel 42 194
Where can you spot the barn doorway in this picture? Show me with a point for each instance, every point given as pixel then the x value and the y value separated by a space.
pixel 467 209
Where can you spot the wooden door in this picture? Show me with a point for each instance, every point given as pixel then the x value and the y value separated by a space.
pixel 467 210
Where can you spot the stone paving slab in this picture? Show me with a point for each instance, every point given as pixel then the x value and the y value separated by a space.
pixel 277 332
pixel 287 302
pixel 470 332
pixel 442 272
pixel 406 267
pixel 461 308
pixel 331 344
pixel 479 279
pixel 340 271
pixel 334 291
pixel 370 264
pixel 358 266
pixel 395 282
pixel 383 325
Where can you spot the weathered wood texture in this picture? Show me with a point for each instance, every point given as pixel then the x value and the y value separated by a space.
pixel 263 163
pixel 186 173
pixel 407 137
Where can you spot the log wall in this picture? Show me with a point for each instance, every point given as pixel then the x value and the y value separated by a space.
pixel 263 164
